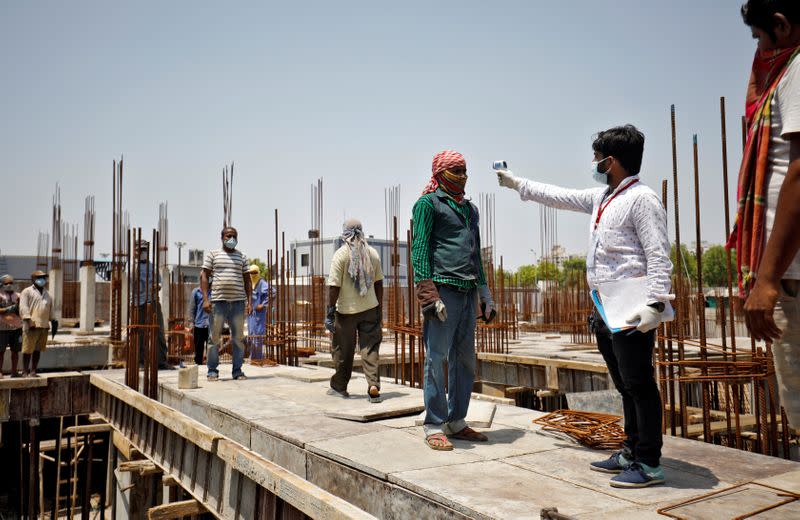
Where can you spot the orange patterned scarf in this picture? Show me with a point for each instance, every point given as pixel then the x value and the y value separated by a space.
pixel 748 235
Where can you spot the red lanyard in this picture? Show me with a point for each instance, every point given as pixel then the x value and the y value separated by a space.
pixel 604 206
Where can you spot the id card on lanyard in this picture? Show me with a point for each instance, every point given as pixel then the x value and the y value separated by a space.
pixel 595 236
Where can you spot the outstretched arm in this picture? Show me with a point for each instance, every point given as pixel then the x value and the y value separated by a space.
pixel 550 195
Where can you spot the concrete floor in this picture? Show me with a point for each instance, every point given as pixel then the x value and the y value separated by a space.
pixel 380 463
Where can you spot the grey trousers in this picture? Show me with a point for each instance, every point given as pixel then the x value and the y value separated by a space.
pixel 364 328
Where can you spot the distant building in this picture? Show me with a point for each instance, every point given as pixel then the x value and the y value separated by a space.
pixel 303 261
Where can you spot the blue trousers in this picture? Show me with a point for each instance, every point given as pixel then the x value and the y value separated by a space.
pixel 231 313
pixel 452 340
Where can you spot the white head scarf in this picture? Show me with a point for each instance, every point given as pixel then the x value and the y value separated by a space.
pixel 360 270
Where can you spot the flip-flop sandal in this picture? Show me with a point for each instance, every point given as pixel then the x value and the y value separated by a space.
pixel 468 434
pixel 438 442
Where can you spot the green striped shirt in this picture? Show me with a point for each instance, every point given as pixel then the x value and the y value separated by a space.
pixel 423 215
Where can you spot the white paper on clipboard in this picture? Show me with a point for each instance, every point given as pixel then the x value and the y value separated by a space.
pixel 622 298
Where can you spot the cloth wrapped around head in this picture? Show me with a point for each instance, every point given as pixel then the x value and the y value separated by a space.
pixel 443 165
pixel 360 269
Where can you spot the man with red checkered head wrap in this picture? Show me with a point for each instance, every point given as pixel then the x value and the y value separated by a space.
pixel 448 272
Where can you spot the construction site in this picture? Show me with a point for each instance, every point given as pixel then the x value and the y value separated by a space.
pixel 279 124
pixel 103 434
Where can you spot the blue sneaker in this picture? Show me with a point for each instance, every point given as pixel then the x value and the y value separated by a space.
pixel 616 463
pixel 638 475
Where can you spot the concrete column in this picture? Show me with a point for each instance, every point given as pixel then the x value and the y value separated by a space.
pixel 56 289
pixel 166 285
pixel 87 315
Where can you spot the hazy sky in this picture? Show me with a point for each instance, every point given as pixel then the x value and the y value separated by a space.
pixel 362 94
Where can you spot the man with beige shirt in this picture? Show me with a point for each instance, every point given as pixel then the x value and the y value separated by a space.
pixel 36 311
pixel 355 293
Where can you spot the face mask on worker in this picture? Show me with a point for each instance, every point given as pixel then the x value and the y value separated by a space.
pixel 230 243
pixel 143 256
pixel 40 282
pixel 8 287
pixel 597 175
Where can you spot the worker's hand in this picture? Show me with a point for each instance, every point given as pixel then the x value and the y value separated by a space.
pixel 330 319
pixel 759 308
pixel 26 325
pixel 488 310
pixel 207 306
pixel 259 307
pixel 645 318
pixel 248 308
pixel 506 179
pixel 435 310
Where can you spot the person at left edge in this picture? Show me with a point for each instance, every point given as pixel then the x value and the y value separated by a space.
pixel 147 299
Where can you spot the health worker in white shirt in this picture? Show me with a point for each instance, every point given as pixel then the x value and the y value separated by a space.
pixel 627 239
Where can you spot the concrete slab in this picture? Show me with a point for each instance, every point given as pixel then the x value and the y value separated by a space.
pixel 479 415
pixel 517 417
pixel 599 401
pixel 503 442
pixel 494 489
pixel 302 429
pixel 381 453
pixel 788 481
pixel 733 466
pixel 738 503
pixel 572 465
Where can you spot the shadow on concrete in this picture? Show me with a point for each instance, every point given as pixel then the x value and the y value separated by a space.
pixel 496 438
pixel 676 472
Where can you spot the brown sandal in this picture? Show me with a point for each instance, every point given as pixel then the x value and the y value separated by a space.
pixel 468 434
pixel 438 442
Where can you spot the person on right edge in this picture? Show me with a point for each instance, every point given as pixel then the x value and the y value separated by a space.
pixel 765 236
pixel 355 294
pixel 627 239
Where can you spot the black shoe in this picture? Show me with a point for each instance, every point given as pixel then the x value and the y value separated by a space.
pixel 166 367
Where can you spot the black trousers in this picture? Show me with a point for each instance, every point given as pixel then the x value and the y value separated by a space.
pixel 200 335
pixel 629 358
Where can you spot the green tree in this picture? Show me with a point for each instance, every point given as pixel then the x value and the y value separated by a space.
pixel 689 267
pixel 715 273
pixel 572 270
pixel 526 275
pixel 547 270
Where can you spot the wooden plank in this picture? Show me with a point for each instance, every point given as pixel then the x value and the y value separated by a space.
pixel 56 399
pixel 176 510
pixel 301 494
pixel 5 405
pixel 543 361
pixel 81 397
pixel 184 426
pixel 142 467
pixel 125 447
pixel 696 430
pixel 90 428
pixel 21 383
pixel 551 374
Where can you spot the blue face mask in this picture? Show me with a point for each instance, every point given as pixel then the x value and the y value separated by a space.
pixel 231 243
pixel 597 175
pixel 40 282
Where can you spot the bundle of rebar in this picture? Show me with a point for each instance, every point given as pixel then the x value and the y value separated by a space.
pixel 594 430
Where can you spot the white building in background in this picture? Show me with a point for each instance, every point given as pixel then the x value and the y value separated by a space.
pixel 303 263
